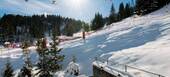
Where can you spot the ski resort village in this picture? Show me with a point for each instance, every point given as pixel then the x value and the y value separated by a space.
pixel 84 38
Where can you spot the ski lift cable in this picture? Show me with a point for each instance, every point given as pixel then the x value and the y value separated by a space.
pixel 52 1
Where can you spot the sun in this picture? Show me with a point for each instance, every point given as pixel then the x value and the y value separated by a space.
pixel 76 4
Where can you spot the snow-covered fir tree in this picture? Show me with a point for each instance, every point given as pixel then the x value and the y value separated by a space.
pixel 25 72
pixel 8 71
pixel 42 64
pixel 73 68
pixel 27 68
pixel 49 57
pixel 26 52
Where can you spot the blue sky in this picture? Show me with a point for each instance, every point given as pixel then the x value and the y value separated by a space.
pixel 78 9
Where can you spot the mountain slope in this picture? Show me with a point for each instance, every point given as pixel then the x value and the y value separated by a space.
pixel 142 42
pixel 119 38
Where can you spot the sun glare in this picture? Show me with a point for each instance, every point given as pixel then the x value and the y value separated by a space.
pixel 76 4
pixel 76 1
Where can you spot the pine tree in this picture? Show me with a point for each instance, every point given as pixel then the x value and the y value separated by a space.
pixel 8 72
pixel 54 56
pixel 147 6
pixel 26 69
pixel 76 70
pixel 121 13
pixel 26 52
pixel 42 66
pixel 127 10
pixel 49 58
pixel 97 22
pixel 73 68
pixel 25 72
pixel 112 17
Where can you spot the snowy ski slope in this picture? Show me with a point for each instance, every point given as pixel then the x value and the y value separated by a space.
pixel 143 42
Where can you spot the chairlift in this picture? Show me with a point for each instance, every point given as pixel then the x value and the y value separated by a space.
pixel 53 1
pixel 26 0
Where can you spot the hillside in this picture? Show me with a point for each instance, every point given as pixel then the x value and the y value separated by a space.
pixel 141 42
pixel 138 41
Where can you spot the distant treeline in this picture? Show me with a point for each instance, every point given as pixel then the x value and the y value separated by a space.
pixel 147 6
pixel 124 11
pixel 138 7
pixel 38 26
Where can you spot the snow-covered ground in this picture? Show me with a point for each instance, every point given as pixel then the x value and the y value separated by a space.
pixel 15 56
pixel 152 44
pixel 142 42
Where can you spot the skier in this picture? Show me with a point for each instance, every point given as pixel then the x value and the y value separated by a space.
pixel 83 35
